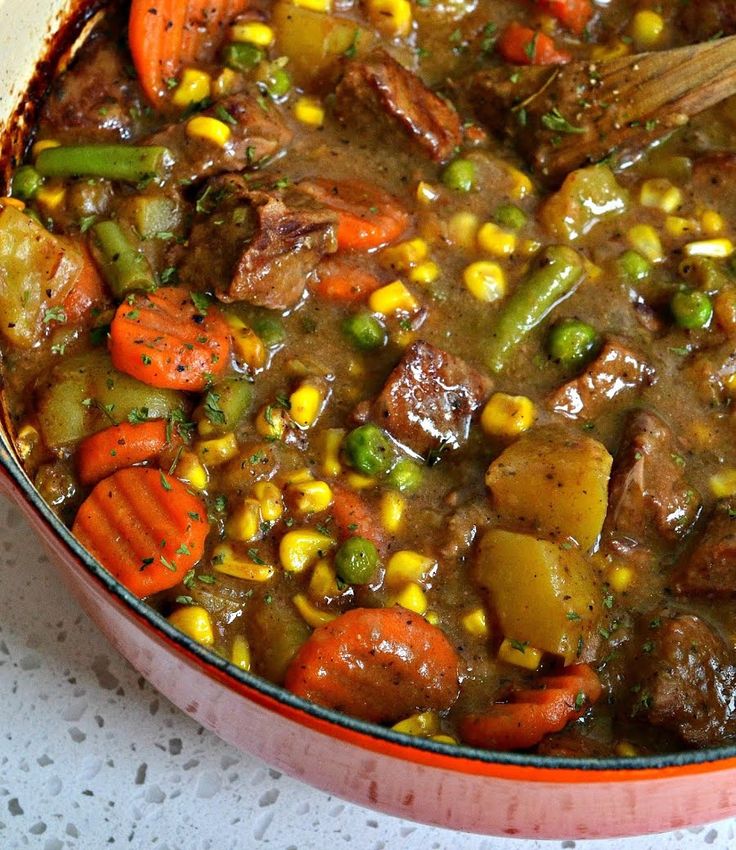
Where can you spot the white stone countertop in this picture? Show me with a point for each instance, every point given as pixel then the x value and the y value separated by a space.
pixel 91 756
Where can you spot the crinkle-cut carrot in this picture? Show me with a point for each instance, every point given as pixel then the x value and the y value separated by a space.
pixel 144 527
pixel 167 341
pixel 343 283
pixel 524 46
pixel 378 664
pixel 572 14
pixel 534 713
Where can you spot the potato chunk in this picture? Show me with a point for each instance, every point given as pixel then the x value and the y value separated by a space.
pixel 543 594
pixel 552 483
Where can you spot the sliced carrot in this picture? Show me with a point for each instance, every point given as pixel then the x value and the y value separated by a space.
pixel 167 341
pixel 344 283
pixel 534 713
pixel 121 446
pixel 572 14
pixel 88 291
pixel 525 46
pixel 378 664
pixel 167 36
pixel 368 217
pixel 144 527
pixel 354 517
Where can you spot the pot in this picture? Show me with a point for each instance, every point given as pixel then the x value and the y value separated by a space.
pixel 449 786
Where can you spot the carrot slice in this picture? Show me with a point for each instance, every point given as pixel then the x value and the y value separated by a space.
pixel 121 446
pixel 169 35
pixel 525 46
pixel 379 664
pixel 167 341
pixel 572 14
pixel 368 217
pixel 344 283
pixel 87 292
pixel 353 517
pixel 533 714
pixel 144 527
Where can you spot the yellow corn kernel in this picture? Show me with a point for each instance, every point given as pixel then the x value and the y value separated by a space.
pixel 26 441
pixel 462 229
pixel 302 547
pixel 620 578
pixel 660 194
pixel 270 500
pixel 217 451
pixel 305 405
pixel 518 654
pixel 244 523
pixel 240 652
pixel 723 483
pixel 646 28
pixel 209 129
pixel 412 597
pixel 13 202
pixel 404 338
pixel 475 623
pixel 405 255
pixel 421 725
pixel 392 18
pixel 331 462
pixel 494 240
pixel 592 271
pixel 226 560
pixel 485 280
pixel 314 5
pixel 425 273
pixel 311 497
pixel 323 581
pixel 296 476
pixel 393 298
pixel 271 422
pixel 712 222
pixel 408 566
pixel 224 84
pixel 194 87
pixel 312 615
pixel 360 482
pixel 427 193
pixel 392 511
pixel 195 622
pixel 613 50
pixel 716 248
pixel 624 749
pixel 444 739
pixel 432 617
pixel 252 32
pixel 309 111
pixel 189 468
pixel 680 227
pixel 249 347
pixel 44 145
pixel 51 196
pixel 507 416
pixel 521 184
pixel 645 239
pixel 529 246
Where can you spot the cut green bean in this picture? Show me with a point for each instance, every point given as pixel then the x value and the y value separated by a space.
pixel 557 273
pixel 123 266
pixel 109 162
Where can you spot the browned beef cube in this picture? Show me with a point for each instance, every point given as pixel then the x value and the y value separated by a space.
pixel 707 19
pixel 710 569
pixel 428 401
pixel 616 370
pixel 379 89
pixel 650 500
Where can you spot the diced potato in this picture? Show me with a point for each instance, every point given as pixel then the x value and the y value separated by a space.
pixel 553 483
pixel 543 594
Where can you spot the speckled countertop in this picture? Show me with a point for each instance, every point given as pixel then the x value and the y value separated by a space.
pixel 92 756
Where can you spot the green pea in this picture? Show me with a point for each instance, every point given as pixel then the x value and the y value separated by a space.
pixel 364 331
pixel 276 80
pixel 406 476
pixel 26 182
pixel 270 330
pixel 508 215
pixel 692 309
pixel 356 560
pixel 634 266
pixel 369 450
pixel 572 342
pixel 459 175
pixel 242 57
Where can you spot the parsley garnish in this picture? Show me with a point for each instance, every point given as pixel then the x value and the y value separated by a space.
pixel 554 120
pixel 212 409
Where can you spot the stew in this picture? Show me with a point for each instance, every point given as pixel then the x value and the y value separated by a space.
pixel 309 348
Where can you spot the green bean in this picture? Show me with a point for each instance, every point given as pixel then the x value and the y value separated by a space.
pixel 109 162
pixel 558 272
pixel 124 267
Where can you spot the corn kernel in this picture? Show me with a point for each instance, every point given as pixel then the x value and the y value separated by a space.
pixel 44 145
pixel 412 597
pixel 646 28
pixel 432 617
pixel 485 280
pixel 408 566
pixel 305 405
pixel 507 416
pixel 521 184
pixel 26 441
pixel 195 622
pixel 194 87
pixel 680 227
pixel 323 581
pixel 613 50
pixel 190 469
pixel 331 462
pixel 404 338
pixel 393 298
pixel 518 654
pixel 296 476
pixel 425 273
pixel 405 255
pixel 360 482
pixel 712 222
pixel 302 547
pixel 660 194
pixel 311 497
pixel 620 578
pixel 715 248
pixel 224 84
pixel 271 422
pixel 51 196
pixel 444 739
pixel 270 500
pixel 493 240
pixel 624 749
pixel 392 511
pixel 462 229
pixel 420 725
pixel 13 202
pixel 240 653
pixel 249 347
pixel 312 615
pixel 252 32
pixel 309 111
pixel 645 239
pixel 475 623
pixel 218 451
pixel 529 246
pixel 314 5
pixel 392 18
pixel 244 523
pixel 227 561
pixel 427 193
pixel 209 129
pixel 723 483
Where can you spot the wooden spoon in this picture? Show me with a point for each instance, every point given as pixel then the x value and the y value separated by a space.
pixel 564 117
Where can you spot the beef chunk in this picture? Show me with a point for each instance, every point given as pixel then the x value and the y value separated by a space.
pixel 687 682
pixel 380 89
pixel 707 19
pixel 257 134
pixel 650 500
pixel 257 246
pixel 713 176
pixel 616 370
pixel 710 568
pixel 429 399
